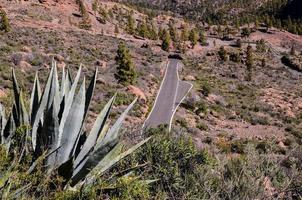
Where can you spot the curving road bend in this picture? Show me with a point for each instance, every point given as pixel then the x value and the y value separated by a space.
pixel 171 93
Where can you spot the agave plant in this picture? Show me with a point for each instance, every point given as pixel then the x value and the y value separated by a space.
pixel 55 128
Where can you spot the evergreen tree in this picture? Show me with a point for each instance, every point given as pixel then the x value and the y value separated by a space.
pixel 260 46
pixel 142 29
pixel 256 23
pixel 152 31
pixel 172 31
pixel 238 43
pixel 237 24
pixel 184 33
pixel 126 73
pixel 249 62
pixel 130 24
pixel 293 50
pixel 95 6
pixel 246 32
pixel 82 8
pixel 222 54
pixel 4 23
pixel 161 33
pixel 202 38
pixel 86 22
pixel 193 37
pixel 263 62
pixel 166 41
pixel 116 30
pixel 219 30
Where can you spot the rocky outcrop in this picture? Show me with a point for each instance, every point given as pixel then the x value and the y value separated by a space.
pixel 137 92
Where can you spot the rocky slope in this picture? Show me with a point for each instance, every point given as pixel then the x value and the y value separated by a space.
pixel 267 106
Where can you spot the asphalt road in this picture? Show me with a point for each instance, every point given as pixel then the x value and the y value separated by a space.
pixel 171 93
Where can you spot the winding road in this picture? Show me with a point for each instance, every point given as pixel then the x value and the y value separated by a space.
pixel 171 93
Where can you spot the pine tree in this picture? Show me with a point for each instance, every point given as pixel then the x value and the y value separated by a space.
pixel 219 30
pixel 4 23
pixel 95 6
pixel 193 37
pixel 263 62
pixel 222 54
pixel 184 33
pixel 260 46
pixel 238 43
pixel 172 31
pixel 142 29
pixel 161 33
pixel 246 32
pixel 126 73
pixel 116 30
pixel 166 41
pixel 237 24
pixel 293 50
pixel 256 24
pixel 82 8
pixel 202 38
pixel 86 22
pixel 249 62
pixel 152 31
pixel 131 24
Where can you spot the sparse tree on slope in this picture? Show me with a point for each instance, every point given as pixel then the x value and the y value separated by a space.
pixel 166 40
pixel 249 62
pixel 126 73
pixel 131 24
pixel 95 6
pixel 4 23
pixel 222 54
pixel 193 37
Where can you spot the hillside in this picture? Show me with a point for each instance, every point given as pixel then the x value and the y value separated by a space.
pixel 235 135
pixel 283 13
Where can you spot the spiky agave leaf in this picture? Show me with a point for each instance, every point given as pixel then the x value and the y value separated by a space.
pixel 2 122
pixel 95 131
pixel 9 131
pixel 38 118
pixel 22 113
pixel 83 142
pixel 50 96
pixel 110 159
pixel 47 140
pixel 35 97
pixel 101 149
pixel 67 105
pixel 16 88
pixel 72 126
pixel 90 90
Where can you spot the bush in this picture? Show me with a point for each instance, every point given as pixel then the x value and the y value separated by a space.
pixel 185 172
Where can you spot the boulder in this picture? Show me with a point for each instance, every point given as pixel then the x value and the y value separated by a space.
pixel 190 78
pixel 101 81
pixel 61 65
pixel 137 92
pixel 57 57
pixel 16 58
pixel 24 65
pixel 101 63
pixel 2 93
pixel 26 49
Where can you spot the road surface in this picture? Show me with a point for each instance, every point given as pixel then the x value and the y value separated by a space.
pixel 171 93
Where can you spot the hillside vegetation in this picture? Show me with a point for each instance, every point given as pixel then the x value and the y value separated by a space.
pixel 236 135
